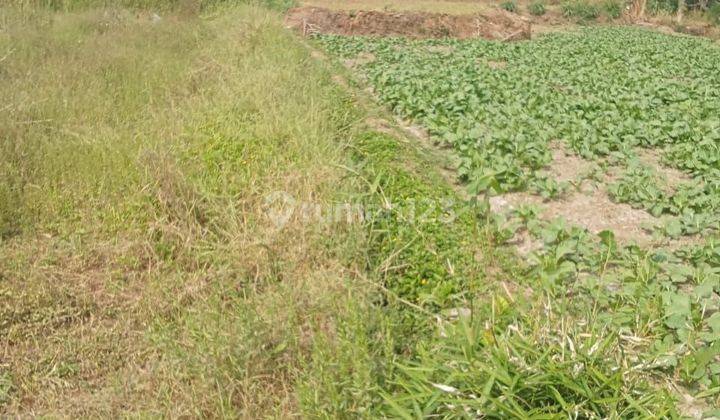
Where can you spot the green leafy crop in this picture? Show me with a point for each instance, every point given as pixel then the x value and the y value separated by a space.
pixel 601 90
pixel 604 94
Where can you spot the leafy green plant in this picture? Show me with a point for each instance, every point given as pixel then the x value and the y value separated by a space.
pixel 548 188
pixel 510 6
pixel 503 123
pixel 580 9
pixel 613 8
pixel 714 12
pixel 537 8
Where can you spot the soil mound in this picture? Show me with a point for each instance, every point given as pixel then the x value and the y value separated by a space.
pixel 498 24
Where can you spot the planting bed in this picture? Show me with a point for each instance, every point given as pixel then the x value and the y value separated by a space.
pixel 598 153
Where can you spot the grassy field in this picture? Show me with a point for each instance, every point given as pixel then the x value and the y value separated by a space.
pixel 149 265
pixel 138 272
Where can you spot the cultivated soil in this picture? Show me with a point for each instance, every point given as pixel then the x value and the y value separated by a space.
pixel 463 19
pixel 493 24
pixel 588 205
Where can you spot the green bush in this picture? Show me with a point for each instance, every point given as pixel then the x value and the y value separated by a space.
pixel 714 13
pixel 656 6
pixel 537 8
pixel 613 8
pixel 581 10
pixel 510 6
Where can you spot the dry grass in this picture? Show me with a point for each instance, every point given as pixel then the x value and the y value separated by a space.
pixel 693 23
pixel 139 274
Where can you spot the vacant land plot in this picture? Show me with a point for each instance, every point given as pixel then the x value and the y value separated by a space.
pixel 139 275
pixel 202 215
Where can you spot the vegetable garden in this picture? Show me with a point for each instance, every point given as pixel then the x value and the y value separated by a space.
pixel 608 96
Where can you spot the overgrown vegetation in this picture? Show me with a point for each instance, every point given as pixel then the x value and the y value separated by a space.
pixel 580 9
pixel 139 273
pixel 671 6
pixel 714 12
pixel 183 7
pixel 510 6
pixel 613 8
pixel 537 8
pixel 144 258
pixel 137 245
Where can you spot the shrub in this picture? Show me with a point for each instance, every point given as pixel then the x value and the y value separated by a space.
pixel 510 6
pixel 613 8
pixel 580 10
pixel 536 8
pixel 714 13
pixel 661 6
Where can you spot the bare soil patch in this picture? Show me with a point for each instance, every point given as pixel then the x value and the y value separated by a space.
pixel 592 210
pixel 566 166
pixel 363 58
pixel 671 176
pixel 452 7
pixel 589 206
pixel 493 24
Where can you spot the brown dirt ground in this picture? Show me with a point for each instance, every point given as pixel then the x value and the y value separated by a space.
pixel 670 176
pixel 589 206
pixel 553 20
pixel 452 7
pixel 494 24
